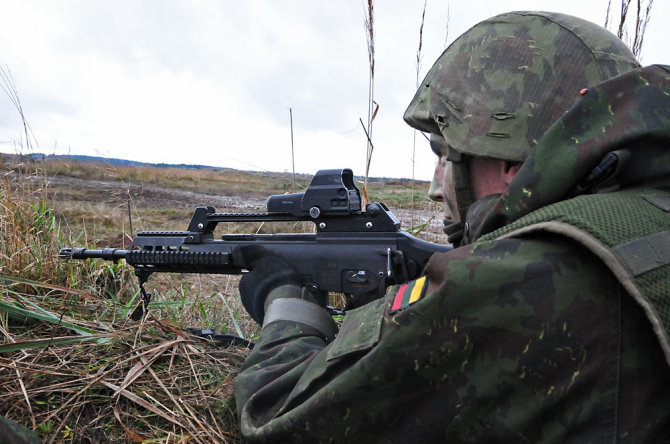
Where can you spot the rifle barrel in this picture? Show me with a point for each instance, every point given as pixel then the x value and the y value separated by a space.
pixel 108 254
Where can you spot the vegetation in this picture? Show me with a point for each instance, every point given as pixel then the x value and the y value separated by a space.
pixel 634 37
pixel 71 364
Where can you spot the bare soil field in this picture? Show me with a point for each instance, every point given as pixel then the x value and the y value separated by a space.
pixel 167 208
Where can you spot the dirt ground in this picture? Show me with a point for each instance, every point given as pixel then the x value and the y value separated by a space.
pixel 65 190
pixel 84 203
pixel 62 188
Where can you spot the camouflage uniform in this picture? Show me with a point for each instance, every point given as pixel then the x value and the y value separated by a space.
pixel 550 327
pixel 14 433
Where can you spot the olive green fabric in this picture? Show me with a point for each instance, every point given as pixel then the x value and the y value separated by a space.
pixel 12 432
pixel 529 334
pixel 628 232
pixel 629 113
pixel 516 340
pixel 497 88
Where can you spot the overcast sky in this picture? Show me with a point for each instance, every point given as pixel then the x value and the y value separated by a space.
pixel 211 82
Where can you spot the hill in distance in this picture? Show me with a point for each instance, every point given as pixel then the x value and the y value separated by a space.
pixel 125 162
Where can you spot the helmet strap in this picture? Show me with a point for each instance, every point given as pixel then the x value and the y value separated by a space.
pixel 458 193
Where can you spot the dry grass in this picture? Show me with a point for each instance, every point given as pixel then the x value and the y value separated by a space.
pixel 118 383
pixel 205 180
pixel 26 233
pixel 635 38
pixel 72 366
pixel 373 107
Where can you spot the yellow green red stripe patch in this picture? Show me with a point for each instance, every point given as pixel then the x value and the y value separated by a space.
pixel 409 293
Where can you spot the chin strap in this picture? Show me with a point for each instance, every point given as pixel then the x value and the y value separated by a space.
pixel 454 231
pixel 465 233
pixel 478 213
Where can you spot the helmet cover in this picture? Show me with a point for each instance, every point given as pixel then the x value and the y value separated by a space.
pixel 498 87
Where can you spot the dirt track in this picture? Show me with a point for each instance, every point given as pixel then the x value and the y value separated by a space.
pixel 150 195
pixel 115 193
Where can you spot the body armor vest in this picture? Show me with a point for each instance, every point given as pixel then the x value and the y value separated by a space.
pixel 628 230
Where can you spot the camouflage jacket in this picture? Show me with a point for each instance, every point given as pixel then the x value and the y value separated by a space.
pixel 527 338
pixel 12 432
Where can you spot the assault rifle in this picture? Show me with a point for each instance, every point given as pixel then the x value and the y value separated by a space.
pixel 357 253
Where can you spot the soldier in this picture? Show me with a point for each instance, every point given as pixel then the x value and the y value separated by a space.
pixel 550 321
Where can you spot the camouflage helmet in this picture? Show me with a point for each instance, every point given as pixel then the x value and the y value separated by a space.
pixel 498 87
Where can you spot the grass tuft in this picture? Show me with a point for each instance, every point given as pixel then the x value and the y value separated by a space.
pixel 73 368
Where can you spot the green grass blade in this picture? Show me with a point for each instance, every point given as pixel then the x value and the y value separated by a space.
pixel 49 317
pixel 41 343
pixel 27 301
pixel 232 316
pixel 167 304
pixel 35 284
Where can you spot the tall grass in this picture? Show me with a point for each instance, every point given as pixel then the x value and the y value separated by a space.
pixel 9 87
pixel 28 232
pixel 205 180
pixel 73 368
pixel 635 38
pixel 418 73
pixel 373 107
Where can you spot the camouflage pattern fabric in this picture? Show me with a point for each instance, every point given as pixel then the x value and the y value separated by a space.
pixel 630 113
pixel 514 341
pixel 629 231
pixel 528 339
pixel 14 433
pixel 496 89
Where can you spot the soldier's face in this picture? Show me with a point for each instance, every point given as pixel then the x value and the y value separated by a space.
pixel 442 189
pixel 449 180
pixel 449 190
pixel 466 180
pixel 437 191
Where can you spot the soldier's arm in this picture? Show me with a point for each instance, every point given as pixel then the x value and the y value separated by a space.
pixel 504 324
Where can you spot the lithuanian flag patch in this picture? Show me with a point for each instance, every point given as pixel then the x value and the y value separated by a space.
pixel 409 293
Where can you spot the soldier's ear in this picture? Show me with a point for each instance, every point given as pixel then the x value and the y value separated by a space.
pixel 508 170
